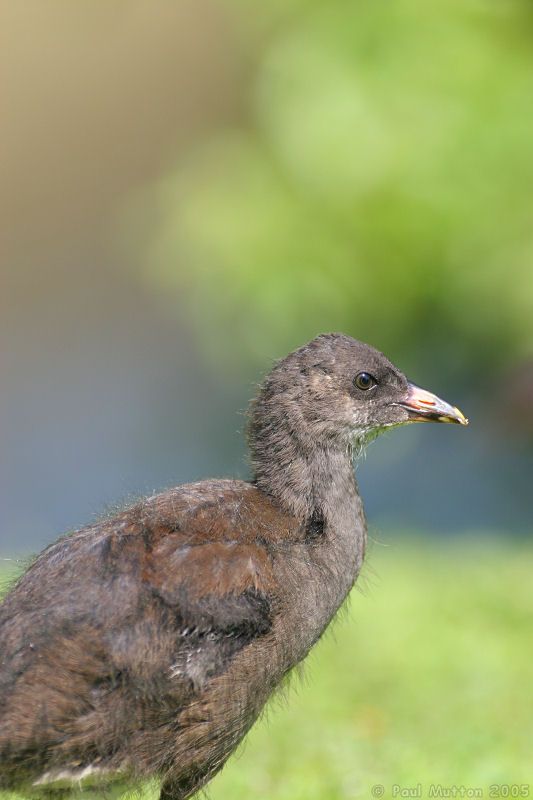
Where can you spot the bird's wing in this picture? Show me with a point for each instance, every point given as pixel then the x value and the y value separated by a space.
pixel 117 627
pixel 221 587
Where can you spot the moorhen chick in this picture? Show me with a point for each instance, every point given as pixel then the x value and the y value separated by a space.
pixel 146 645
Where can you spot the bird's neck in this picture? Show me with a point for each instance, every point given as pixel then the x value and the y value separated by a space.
pixel 305 477
pixel 307 484
pixel 316 485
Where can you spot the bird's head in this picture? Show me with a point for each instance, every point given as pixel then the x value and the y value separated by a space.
pixel 338 391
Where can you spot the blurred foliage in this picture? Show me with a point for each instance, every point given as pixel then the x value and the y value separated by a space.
pixel 426 679
pixel 378 181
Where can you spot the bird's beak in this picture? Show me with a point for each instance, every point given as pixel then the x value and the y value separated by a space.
pixel 423 406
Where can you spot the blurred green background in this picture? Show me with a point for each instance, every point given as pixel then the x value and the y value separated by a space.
pixel 191 189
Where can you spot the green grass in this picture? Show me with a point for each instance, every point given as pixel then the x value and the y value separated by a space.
pixel 427 679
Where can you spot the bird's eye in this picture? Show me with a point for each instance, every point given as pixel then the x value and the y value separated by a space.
pixel 364 381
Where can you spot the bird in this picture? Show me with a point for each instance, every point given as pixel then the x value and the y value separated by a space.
pixel 145 645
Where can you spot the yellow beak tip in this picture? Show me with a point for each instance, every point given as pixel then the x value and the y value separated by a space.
pixel 462 420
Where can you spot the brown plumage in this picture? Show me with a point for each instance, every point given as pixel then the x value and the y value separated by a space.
pixel 147 645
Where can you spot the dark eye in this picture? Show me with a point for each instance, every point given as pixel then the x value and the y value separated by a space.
pixel 364 381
